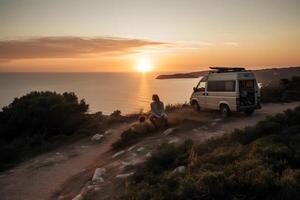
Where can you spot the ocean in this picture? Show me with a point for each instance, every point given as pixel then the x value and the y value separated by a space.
pixel 105 92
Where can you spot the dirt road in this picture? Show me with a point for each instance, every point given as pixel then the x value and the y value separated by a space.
pixel 41 177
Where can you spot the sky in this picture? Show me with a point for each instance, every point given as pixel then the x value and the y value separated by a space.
pixel 171 35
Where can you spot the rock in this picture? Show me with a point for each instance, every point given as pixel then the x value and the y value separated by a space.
pixel 98 175
pixel 213 123
pixel 97 137
pixel 125 164
pixel 118 154
pixel 217 120
pixel 148 155
pixel 122 176
pixel 140 149
pixel 133 154
pixel 61 197
pixel 109 131
pixel 195 130
pixel 131 148
pixel 168 131
pixel 172 141
pixel 78 197
pixel 180 169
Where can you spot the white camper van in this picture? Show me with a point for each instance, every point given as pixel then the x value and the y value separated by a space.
pixel 227 90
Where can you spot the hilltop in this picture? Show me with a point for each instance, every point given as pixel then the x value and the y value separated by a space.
pixel 265 76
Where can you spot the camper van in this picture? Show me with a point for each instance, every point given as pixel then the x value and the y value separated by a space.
pixel 227 90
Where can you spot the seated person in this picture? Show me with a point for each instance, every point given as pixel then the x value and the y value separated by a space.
pixel 158 111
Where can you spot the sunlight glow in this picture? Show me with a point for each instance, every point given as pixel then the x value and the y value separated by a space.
pixel 144 65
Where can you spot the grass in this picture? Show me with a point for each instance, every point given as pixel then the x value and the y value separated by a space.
pixel 259 162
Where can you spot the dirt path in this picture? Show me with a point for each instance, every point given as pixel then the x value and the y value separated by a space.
pixel 67 169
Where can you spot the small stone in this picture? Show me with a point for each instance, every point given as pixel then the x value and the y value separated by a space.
pixel 180 169
pixel 109 131
pixel 78 197
pixel 131 148
pixel 213 123
pixel 168 131
pixel 140 149
pixel 148 155
pixel 98 175
pixel 133 154
pixel 122 176
pixel 118 154
pixel 172 141
pixel 195 130
pixel 125 164
pixel 218 120
pixel 97 137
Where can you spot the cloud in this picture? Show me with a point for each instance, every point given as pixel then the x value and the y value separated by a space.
pixel 68 47
pixel 231 43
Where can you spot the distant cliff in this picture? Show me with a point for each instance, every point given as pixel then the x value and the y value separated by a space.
pixel 182 75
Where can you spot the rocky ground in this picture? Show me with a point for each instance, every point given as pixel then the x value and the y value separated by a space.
pixel 90 169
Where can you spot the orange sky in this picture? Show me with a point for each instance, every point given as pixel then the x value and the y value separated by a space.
pixel 88 36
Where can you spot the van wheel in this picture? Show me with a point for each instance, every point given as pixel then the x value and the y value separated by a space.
pixel 225 111
pixel 249 112
pixel 196 106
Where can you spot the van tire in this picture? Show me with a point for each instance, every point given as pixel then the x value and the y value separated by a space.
pixel 195 106
pixel 224 110
pixel 249 112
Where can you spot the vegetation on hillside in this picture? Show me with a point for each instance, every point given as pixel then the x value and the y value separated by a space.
pixel 259 162
pixel 31 122
pixel 287 90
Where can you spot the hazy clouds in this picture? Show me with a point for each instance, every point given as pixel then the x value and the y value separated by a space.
pixel 68 47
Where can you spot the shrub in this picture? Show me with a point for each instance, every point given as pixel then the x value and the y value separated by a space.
pixel 288 90
pixel 259 162
pixel 32 120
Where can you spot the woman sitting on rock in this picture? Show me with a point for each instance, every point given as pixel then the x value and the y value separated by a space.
pixel 158 111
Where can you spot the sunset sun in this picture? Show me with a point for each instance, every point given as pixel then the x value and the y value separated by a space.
pixel 144 65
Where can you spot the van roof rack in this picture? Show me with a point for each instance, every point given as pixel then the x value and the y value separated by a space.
pixel 227 69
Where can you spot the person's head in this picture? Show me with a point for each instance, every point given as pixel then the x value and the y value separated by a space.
pixel 155 98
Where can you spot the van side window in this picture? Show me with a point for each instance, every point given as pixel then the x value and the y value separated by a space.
pixel 221 86
pixel 201 87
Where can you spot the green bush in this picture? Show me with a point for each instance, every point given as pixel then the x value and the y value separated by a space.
pixel 259 162
pixel 288 90
pixel 30 122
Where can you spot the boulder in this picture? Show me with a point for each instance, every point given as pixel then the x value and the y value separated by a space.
pixel 98 175
pixel 168 131
pixel 123 176
pixel 118 154
pixel 97 137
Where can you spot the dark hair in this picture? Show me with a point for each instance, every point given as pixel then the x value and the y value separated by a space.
pixel 155 98
pixel 142 119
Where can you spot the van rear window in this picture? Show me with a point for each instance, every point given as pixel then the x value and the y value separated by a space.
pixel 221 86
